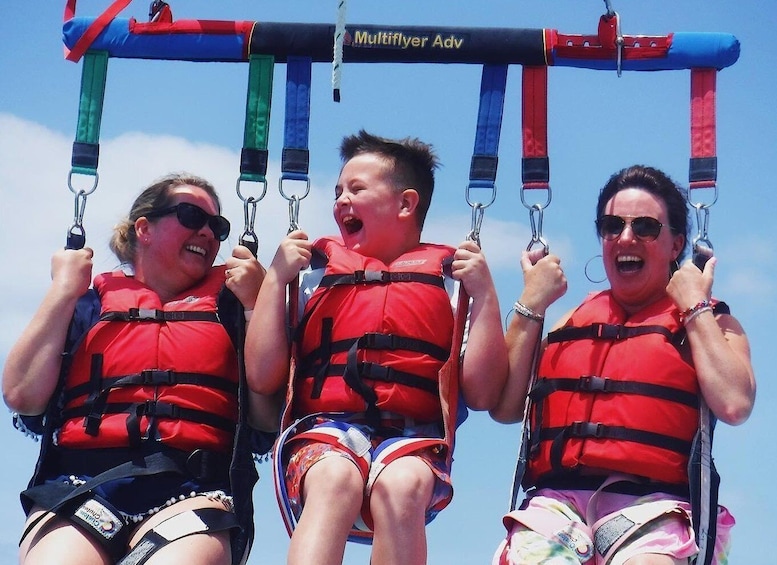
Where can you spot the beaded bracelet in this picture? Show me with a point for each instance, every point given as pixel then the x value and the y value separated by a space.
pixel 527 312
pixel 689 314
pixel 695 313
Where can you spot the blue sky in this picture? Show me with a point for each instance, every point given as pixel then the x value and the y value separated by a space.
pixel 170 116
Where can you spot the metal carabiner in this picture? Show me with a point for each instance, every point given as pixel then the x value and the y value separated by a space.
pixel 478 211
pixel 536 214
pixel 76 235
pixel 293 213
pixel 249 238
pixel 294 199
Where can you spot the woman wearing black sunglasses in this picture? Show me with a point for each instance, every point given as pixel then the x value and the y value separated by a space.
pixel 618 392
pixel 142 411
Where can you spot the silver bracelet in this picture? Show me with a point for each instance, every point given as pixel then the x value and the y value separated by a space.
pixel 527 312
pixel 695 313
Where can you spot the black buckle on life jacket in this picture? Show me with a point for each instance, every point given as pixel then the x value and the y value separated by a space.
pixel 592 383
pixel 374 340
pixel 587 430
pixel 157 377
pixel 153 409
pixel 608 331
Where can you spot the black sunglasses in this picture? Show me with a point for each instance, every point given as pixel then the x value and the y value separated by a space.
pixel 644 227
pixel 193 217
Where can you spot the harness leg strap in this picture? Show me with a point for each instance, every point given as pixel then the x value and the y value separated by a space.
pixel 179 526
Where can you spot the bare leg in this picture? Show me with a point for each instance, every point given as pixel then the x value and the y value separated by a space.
pixel 332 492
pixel 196 549
pixel 44 544
pixel 398 503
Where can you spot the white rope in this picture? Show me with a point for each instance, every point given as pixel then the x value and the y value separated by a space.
pixel 337 57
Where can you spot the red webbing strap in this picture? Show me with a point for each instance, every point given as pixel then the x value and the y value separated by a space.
pixel 95 29
pixel 535 163
pixel 703 170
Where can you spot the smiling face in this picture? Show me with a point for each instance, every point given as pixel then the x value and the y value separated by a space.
pixel 638 268
pixel 170 257
pixel 375 218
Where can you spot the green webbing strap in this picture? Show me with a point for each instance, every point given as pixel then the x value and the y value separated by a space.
pixel 253 158
pixel 90 109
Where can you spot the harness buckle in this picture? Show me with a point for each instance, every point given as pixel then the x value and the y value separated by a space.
pixel 587 430
pixel 366 277
pixel 592 383
pixel 608 331
pixel 374 340
pixel 157 377
pixel 140 314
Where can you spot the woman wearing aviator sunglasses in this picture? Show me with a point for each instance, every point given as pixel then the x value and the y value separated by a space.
pixel 615 394
pixel 141 410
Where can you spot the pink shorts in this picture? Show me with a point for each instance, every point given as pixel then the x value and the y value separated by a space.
pixel 574 527
pixel 370 458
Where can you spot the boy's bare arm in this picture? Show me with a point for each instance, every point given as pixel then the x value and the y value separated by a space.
pixel 267 345
pixel 484 367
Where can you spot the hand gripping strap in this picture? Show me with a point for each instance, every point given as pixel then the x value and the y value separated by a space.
pixel 190 522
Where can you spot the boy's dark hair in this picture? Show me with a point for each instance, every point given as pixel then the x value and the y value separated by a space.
pixel 413 163
pixel 657 183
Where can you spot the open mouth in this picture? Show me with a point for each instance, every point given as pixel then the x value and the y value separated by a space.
pixel 197 250
pixel 628 263
pixel 351 224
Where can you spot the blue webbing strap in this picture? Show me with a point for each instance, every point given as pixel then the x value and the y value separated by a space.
pixel 295 159
pixel 482 172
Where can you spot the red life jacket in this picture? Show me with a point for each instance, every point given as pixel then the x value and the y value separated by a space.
pixel 153 371
pixel 614 394
pixel 374 337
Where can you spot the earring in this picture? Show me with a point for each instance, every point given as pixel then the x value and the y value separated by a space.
pixel 585 271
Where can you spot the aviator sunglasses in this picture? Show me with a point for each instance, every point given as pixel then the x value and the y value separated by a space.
pixel 643 227
pixel 193 217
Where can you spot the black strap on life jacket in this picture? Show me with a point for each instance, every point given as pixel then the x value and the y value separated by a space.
pixel 151 409
pixel 153 315
pixel 592 430
pixel 318 362
pixel 151 377
pixel 614 332
pixel 594 384
pixel 380 277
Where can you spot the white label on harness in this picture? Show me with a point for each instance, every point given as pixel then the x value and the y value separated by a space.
pixel 181 525
pixel 356 442
pixel 102 520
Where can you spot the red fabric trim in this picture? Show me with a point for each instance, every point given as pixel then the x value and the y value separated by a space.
pixel 207 27
pixel 703 123
pixel 602 46
pixel 98 25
